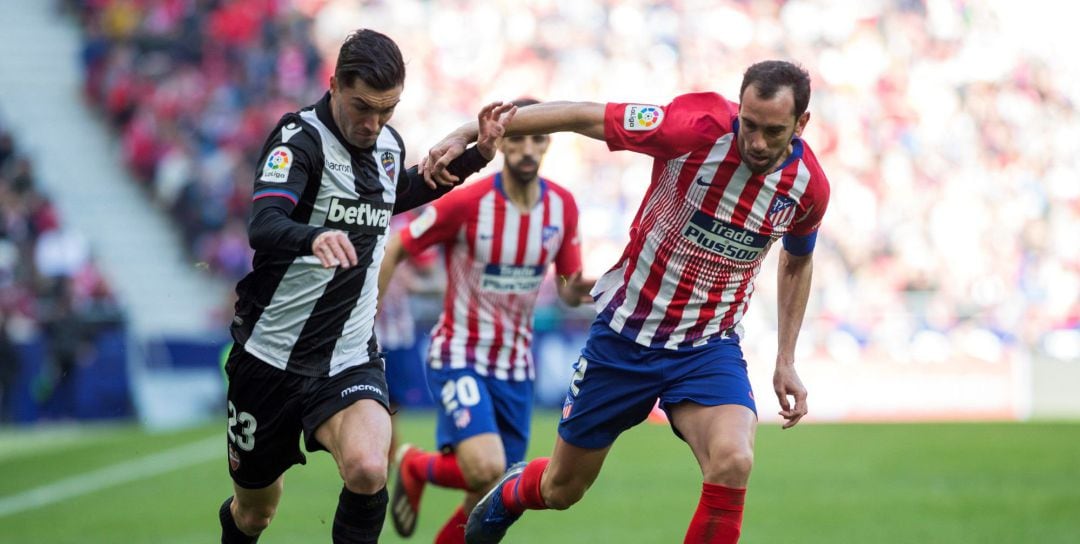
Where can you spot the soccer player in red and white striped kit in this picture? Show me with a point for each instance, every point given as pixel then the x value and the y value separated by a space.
pixel 498 235
pixel 728 180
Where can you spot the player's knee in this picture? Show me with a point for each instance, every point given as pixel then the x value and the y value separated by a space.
pixel 483 473
pixel 364 473
pixel 730 467
pixel 253 520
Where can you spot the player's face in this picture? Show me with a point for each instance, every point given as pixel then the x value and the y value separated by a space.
pixel 522 155
pixel 360 111
pixel 766 128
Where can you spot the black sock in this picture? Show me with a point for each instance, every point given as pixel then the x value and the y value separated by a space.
pixel 230 533
pixel 359 518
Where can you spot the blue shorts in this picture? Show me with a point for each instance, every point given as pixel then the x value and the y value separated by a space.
pixel 472 404
pixel 616 383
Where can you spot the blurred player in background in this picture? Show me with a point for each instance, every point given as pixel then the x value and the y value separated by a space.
pixel 729 179
pixel 395 327
pixel 305 356
pixel 498 236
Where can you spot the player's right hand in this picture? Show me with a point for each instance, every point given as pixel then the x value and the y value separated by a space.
pixel 333 248
pixel 490 126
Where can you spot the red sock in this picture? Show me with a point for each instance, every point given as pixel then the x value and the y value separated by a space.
pixel 440 469
pixel 523 493
pixel 718 519
pixel 454 530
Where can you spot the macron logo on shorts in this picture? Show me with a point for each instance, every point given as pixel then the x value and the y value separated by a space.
pixel 360 387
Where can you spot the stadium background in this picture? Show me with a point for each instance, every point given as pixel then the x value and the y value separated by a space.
pixel 947 280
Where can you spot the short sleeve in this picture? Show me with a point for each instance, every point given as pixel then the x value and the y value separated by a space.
pixel 438 224
pixel 568 259
pixel 664 132
pixel 812 206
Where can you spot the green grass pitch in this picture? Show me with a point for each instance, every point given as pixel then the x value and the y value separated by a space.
pixel 817 483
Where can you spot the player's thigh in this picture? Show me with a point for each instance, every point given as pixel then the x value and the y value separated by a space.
pixel 465 406
pixel 264 500
pixel 349 415
pixel 512 403
pixel 358 437
pixel 605 398
pixel 713 375
pixel 715 433
pixel 264 420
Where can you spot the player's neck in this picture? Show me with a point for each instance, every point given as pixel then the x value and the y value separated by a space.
pixel 522 194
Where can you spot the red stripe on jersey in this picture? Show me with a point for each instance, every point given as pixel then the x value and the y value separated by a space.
pixel 496 312
pixel 696 245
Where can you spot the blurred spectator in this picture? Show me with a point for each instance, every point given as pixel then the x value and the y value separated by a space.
pixel 9 369
pixel 49 284
pixel 951 130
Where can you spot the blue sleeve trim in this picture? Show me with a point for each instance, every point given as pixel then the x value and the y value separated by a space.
pixel 800 245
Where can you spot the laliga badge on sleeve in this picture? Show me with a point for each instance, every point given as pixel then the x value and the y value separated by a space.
pixel 642 117
pixel 277 165
pixel 421 224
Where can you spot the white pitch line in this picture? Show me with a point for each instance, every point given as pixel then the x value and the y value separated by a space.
pixel 113 475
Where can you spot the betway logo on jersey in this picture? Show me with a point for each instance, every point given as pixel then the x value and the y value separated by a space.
pixel 735 243
pixel 358 216
pixel 510 279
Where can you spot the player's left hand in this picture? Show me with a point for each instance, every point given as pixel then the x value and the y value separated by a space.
pixel 491 123
pixel 576 290
pixel 786 383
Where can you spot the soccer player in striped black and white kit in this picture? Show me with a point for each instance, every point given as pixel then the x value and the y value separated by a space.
pixel 305 357
pixel 728 181
pixel 499 235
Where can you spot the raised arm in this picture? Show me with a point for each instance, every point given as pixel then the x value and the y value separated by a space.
pixel 585 118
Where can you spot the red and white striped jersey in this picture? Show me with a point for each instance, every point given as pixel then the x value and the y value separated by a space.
pixel 705 224
pixel 496 258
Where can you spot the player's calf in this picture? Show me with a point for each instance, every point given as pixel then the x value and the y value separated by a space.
pixel 231 533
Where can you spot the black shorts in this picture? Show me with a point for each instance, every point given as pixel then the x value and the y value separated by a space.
pixel 269 407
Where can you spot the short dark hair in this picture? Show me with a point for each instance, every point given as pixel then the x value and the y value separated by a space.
pixel 770 76
pixel 524 101
pixel 371 56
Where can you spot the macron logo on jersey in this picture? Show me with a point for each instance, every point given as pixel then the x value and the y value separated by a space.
pixel 723 239
pixel 642 117
pixel 359 216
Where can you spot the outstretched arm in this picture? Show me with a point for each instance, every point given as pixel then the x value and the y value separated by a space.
pixel 489 126
pixel 793 291
pixel 585 118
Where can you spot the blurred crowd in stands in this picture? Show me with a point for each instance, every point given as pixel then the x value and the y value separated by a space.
pixel 950 130
pixel 50 287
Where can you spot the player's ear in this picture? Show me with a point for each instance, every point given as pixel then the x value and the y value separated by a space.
pixel 333 85
pixel 800 123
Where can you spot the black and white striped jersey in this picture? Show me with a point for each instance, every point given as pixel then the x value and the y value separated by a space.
pixel 291 312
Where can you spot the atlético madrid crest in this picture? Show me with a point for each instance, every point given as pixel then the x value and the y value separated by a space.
pixel 388 165
pixel 781 212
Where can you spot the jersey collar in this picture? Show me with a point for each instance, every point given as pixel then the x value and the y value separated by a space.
pixel 502 190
